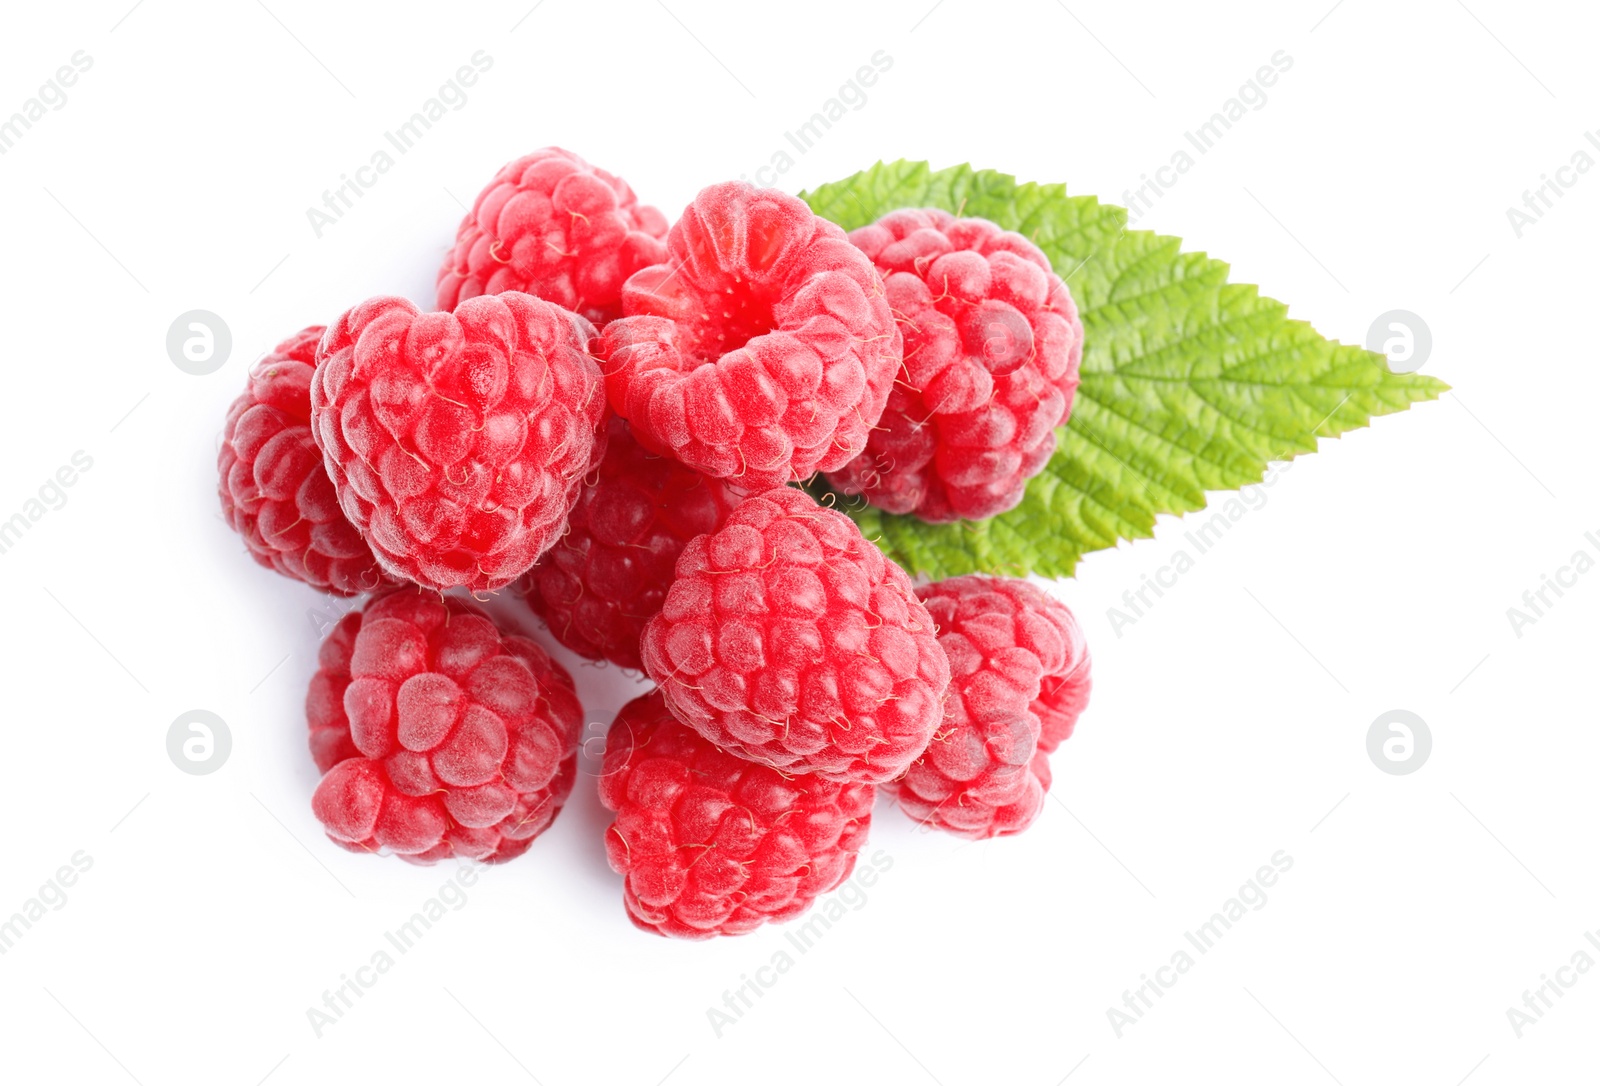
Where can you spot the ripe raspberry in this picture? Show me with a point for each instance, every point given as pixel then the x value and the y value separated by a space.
pixel 275 492
pixel 762 350
pixel 710 844
pixel 325 715
pixel 606 577
pixel 458 441
pixel 790 640
pixel 1062 697
pixel 552 225
pixel 1017 659
pixel 992 347
pixel 438 735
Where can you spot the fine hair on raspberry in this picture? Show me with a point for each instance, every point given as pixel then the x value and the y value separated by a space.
pixel 711 844
pixel 761 350
pixel 439 736
pixel 993 345
pixel 458 441
pixel 789 639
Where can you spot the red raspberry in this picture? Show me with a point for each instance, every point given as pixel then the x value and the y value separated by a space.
pixel 325 715
pixel 1062 697
pixel 710 844
pixel 439 736
pixel 458 441
pixel 992 347
pixel 606 577
pixel 274 489
pixel 552 225
pixel 790 640
pixel 1017 659
pixel 762 350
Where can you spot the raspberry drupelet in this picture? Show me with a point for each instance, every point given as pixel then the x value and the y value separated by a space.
pixel 457 442
pixel 788 639
pixel 711 844
pixel 762 350
pixel 1019 676
pixel 607 575
pixel 438 735
pixel 993 345
pixel 275 491
pixel 551 225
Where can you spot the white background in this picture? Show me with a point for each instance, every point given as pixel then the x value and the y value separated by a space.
pixel 1228 723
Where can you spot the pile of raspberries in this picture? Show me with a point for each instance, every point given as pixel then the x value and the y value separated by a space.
pixel 611 418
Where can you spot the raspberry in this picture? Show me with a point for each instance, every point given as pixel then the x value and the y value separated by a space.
pixel 274 490
pixel 710 844
pixel 1062 697
pixel 325 716
pixel 1017 659
pixel 606 577
pixel 762 350
pixel 458 441
pixel 790 640
pixel 992 347
pixel 552 225
pixel 439 736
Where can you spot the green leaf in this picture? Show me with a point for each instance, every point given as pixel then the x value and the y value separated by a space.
pixel 1189 383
